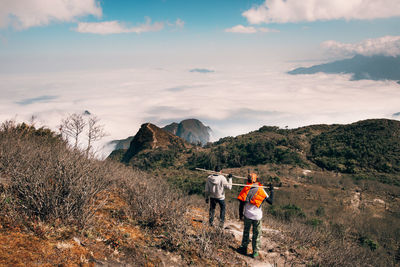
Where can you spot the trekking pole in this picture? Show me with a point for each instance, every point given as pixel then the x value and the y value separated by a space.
pixel 240 177
pixel 214 172
pixel 251 185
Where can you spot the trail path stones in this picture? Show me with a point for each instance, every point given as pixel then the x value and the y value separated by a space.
pixel 271 254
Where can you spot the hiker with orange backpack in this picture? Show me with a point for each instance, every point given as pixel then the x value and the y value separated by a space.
pixel 251 198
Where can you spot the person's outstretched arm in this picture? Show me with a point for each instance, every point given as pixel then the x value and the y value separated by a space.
pixel 228 184
pixel 270 199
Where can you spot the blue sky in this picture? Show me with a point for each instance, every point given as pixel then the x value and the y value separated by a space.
pixel 130 62
pixel 190 31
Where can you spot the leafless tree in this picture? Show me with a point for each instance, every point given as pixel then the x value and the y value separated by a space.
pixel 76 125
pixel 95 132
pixel 72 127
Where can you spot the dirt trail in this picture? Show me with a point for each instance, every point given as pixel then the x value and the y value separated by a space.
pixel 266 259
pixel 271 254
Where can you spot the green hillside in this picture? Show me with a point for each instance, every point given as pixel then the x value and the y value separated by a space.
pixel 367 149
pixel 267 145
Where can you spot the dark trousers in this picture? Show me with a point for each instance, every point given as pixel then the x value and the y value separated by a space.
pixel 213 204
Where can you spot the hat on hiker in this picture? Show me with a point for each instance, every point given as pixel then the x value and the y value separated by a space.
pixel 252 177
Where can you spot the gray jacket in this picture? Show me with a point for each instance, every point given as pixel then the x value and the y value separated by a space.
pixel 215 186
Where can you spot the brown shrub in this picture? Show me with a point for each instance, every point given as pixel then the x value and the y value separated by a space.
pixel 154 205
pixel 164 210
pixel 47 180
pixel 328 245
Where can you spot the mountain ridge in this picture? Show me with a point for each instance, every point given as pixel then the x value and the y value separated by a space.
pixel 377 67
pixel 367 149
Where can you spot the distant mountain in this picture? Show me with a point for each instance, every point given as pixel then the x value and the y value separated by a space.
pixel 172 128
pixel 192 130
pixel 361 67
pixel 122 143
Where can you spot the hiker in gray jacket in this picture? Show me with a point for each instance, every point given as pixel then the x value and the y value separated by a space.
pixel 215 186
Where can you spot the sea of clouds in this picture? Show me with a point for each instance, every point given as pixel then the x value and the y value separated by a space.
pixel 231 100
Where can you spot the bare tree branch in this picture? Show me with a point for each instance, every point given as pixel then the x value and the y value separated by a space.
pixel 72 127
pixel 94 133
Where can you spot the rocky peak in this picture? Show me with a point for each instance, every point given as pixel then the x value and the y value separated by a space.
pixel 192 130
pixel 150 136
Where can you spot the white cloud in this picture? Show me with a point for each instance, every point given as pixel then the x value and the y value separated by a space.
pixel 111 27
pixel 232 101
pixel 105 27
pixel 387 45
pixel 263 29
pixel 283 11
pixel 23 14
pixel 249 29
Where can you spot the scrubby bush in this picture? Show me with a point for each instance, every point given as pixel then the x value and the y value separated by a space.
pixel 314 222
pixel 154 159
pixel 156 206
pixel 367 242
pixel 47 180
pixel 150 200
pixel 336 246
pixel 320 211
pixel 286 212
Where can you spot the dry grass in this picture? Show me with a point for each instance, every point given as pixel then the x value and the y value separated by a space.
pixel 342 237
pixel 328 246
pixel 167 212
pixel 110 239
pixel 47 180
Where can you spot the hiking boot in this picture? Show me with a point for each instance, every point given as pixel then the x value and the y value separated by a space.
pixel 242 250
pixel 221 225
pixel 255 255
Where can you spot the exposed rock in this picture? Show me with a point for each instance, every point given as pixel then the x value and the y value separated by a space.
pixel 150 136
pixel 192 130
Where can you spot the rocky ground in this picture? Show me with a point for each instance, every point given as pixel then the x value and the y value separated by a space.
pixel 271 253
